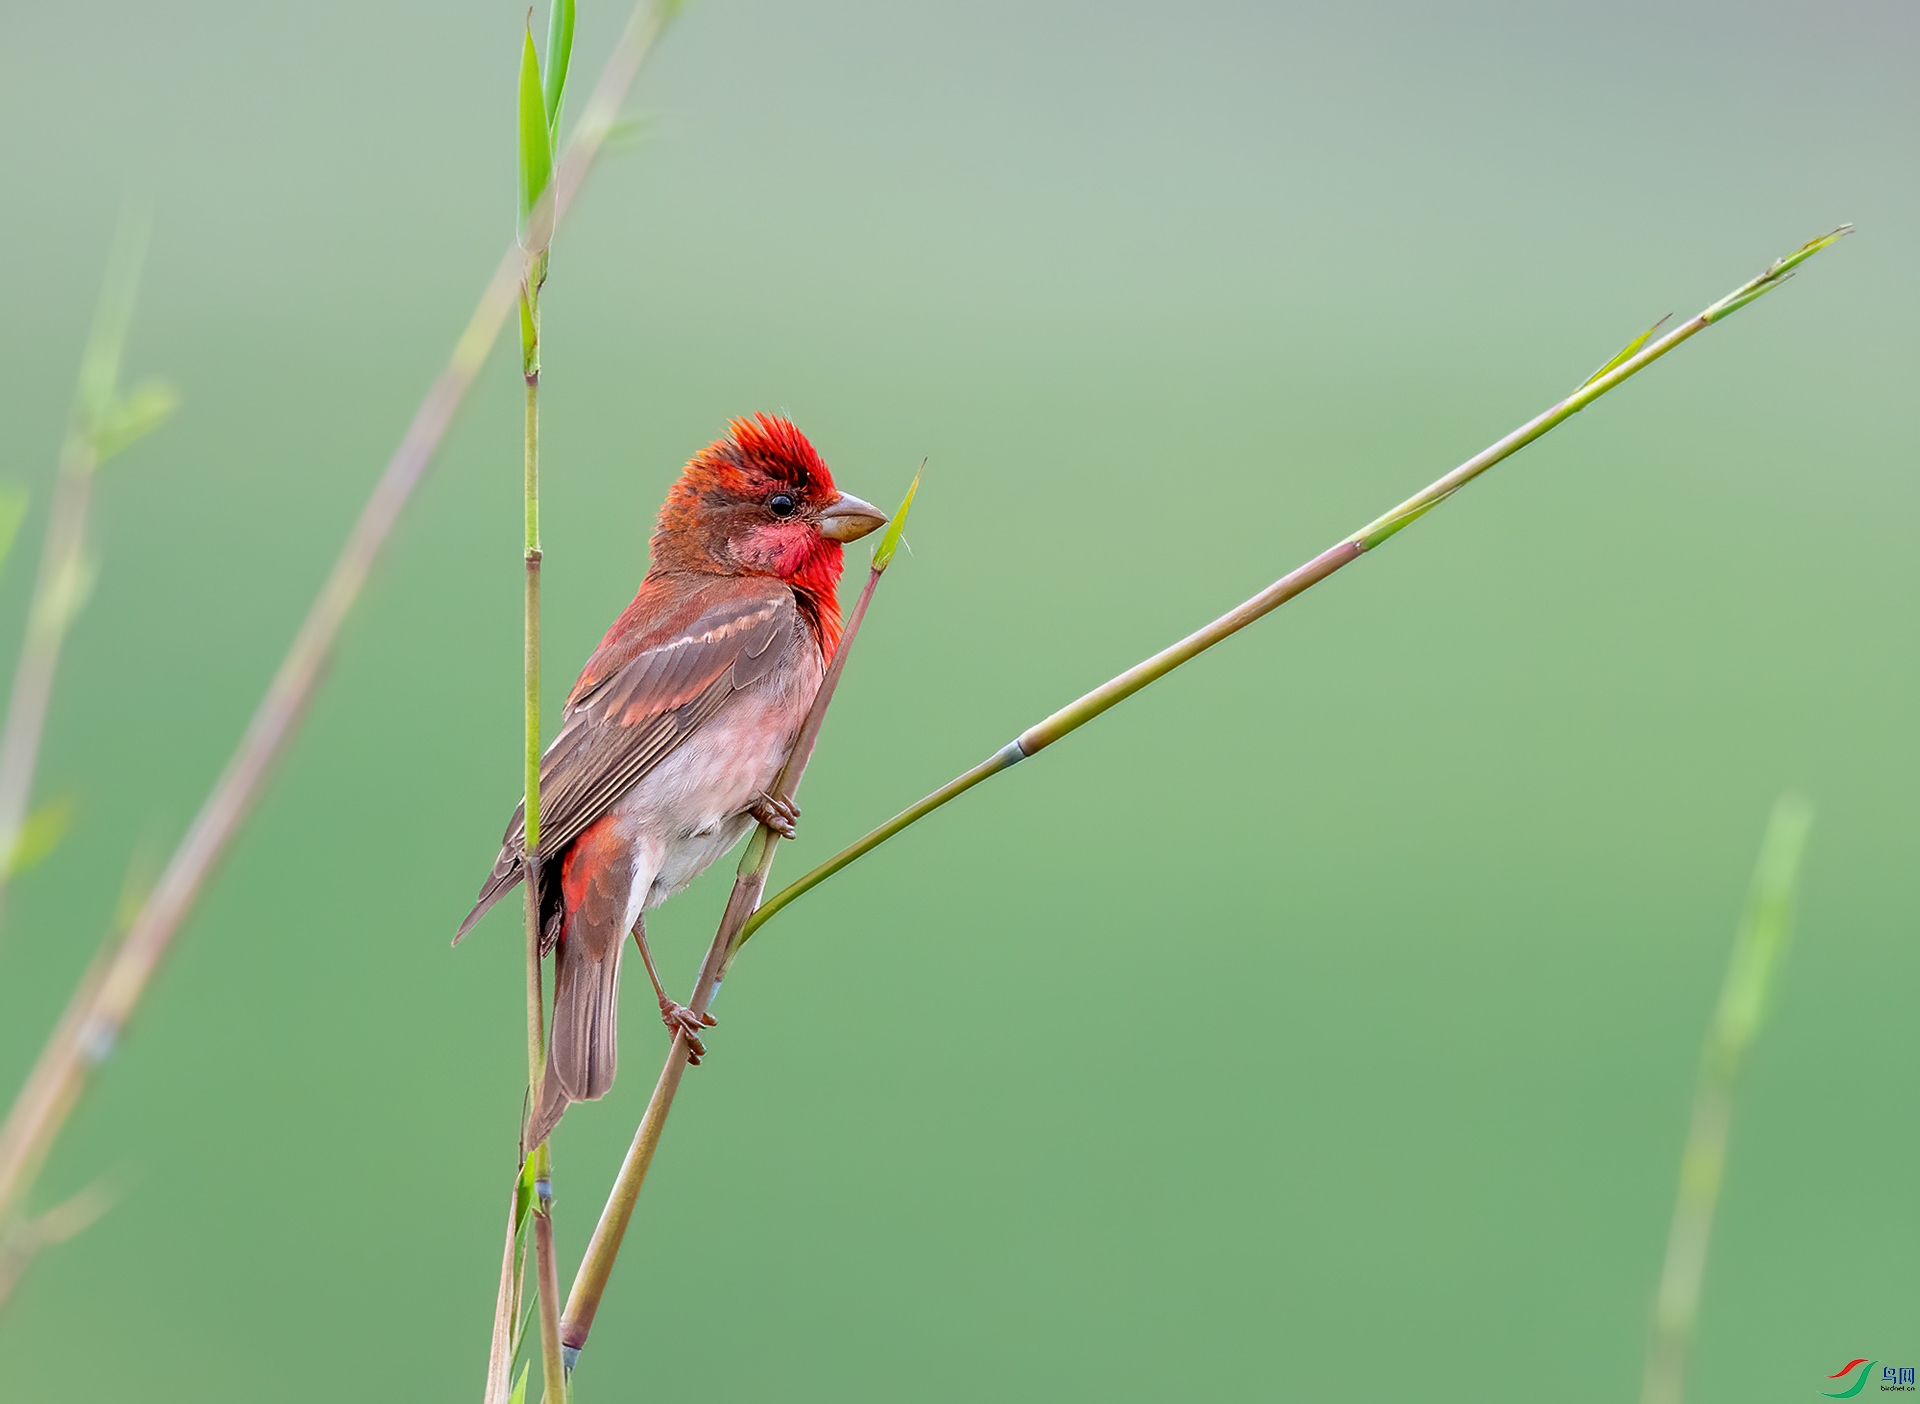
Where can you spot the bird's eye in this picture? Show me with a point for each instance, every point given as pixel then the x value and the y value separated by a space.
pixel 780 504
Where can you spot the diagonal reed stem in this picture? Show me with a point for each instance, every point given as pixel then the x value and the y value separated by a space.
pixel 1751 969
pixel 743 918
pixel 750 880
pixel 1077 714
pixel 100 1008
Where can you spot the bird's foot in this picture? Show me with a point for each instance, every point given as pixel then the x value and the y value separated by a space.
pixel 780 815
pixel 683 1021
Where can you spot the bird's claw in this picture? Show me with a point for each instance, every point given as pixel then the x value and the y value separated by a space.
pixel 683 1021
pixel 777 814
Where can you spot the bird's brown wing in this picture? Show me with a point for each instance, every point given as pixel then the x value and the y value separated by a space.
pixel 682 648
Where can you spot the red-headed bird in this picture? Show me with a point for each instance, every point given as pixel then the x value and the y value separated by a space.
pixel 678 725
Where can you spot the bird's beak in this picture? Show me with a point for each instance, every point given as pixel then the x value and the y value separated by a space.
pixel 849 519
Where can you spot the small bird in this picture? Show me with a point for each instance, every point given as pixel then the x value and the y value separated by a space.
pixel 678 726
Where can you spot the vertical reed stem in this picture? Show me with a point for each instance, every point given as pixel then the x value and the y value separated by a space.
pixel 61 584
pixel 1753 968
pixel 546 1271
pixel 536 1032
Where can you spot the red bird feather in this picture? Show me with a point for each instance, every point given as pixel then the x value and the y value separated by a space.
pixel 678 724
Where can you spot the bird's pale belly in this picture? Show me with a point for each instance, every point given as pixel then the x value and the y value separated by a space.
pixel 691 808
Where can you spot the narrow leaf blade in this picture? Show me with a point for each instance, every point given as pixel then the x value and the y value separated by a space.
pixel 40 835
pixel 1777 273
pixel 890 540
pixel 559 52
pixel 1626 352
pixel 523 1194
pixel 137 414
pixel 1812 247
pixel 536 143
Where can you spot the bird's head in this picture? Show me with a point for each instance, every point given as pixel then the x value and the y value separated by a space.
pixel 760 501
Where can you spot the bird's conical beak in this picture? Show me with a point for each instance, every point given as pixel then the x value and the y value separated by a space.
pixel 849 519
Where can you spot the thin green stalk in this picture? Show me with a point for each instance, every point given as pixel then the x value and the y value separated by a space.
pixel 750 880
pixel 530 673
pixel 537 103
pixel 546 1270
pixel 1077 714
pixel 104 420
pixel 1744 997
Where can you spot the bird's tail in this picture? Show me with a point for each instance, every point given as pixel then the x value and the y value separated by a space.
pixel 585 1047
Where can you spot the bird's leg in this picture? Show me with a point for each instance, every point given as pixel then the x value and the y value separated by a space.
pixel 777 814
pixel 677 1017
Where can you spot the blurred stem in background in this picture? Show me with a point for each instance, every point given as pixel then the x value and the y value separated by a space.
pixel 19 1244
pixel 538 107
pixel 1636 356
pixel 104 421
pixel 1758 949
pixel 110 992
pixel 750 880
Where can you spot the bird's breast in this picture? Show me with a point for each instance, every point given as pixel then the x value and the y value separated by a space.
pixel 693 804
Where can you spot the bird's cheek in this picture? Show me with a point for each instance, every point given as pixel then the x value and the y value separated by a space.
pixel 779 548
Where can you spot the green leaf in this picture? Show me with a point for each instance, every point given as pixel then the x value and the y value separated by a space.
pixel 40 835
pixel 1733 304
pixel 536 142
pixel 131 418
pixel 13 507
pixel 530 333
pixel 890 540
pixel 523 1194
pixel 559 50
pixel 519 1395
pixel 1626 352
pixel 1779 272
pixel 1810 248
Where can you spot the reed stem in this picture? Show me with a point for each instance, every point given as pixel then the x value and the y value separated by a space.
pixel 1752 968
pixel 530 678
pixel 750 880
pixel 1637 357
pixel 546 1270
pixel 60 586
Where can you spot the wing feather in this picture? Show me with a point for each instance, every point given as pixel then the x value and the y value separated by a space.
pixel 671 662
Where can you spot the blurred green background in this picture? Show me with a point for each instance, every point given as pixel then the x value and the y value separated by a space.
pixel 1322 1023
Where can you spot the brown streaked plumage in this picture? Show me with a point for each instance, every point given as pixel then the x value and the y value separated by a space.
pixel 678 724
